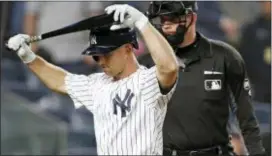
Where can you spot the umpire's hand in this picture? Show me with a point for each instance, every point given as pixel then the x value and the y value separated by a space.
pixel 18 44
pixel 127 16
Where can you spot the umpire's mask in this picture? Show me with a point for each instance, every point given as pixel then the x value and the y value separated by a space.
pixel 159 11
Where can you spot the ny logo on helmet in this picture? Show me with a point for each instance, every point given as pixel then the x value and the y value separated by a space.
pixel 93 40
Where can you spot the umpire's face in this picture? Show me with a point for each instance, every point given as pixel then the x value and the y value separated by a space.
pixel 169 24
pixel 114 63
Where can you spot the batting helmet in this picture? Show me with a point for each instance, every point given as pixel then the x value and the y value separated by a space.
pixel 103 41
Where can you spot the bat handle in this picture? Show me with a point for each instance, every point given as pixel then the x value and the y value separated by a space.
pixel 34 39
pixel 31 40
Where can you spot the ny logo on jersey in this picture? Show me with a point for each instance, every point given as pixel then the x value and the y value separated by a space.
pixel 125 104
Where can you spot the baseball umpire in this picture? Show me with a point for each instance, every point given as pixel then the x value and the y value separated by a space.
pixel 213 78
pixel 128 101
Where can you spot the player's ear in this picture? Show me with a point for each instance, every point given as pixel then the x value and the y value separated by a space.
pixel 128 48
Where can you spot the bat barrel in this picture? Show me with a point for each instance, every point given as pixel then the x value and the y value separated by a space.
pixel 86 24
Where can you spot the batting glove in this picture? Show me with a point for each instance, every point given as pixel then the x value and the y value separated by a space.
pixel 128 16
pixel 18 44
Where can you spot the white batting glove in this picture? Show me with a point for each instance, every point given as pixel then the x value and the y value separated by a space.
pixel 128 16
pixel 18 44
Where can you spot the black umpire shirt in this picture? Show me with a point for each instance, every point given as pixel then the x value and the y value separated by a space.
pixel 213 77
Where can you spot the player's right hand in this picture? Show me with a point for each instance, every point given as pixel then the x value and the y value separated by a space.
pixel 18 44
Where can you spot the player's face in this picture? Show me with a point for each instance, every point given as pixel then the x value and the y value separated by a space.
pixel 113 63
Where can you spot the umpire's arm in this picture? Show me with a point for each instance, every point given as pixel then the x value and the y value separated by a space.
pixel 236 76
pixel 162 55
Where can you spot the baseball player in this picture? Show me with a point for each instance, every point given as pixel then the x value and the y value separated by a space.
pixel 128 101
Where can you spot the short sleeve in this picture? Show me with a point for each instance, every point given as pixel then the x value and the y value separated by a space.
pixel 80 89
pixel 151 91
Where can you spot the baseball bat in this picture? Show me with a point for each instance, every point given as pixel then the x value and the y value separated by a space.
pixel 86 24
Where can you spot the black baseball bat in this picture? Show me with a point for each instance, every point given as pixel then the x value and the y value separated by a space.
pixel 86 24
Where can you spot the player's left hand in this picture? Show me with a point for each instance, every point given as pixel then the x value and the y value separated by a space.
pixel 18 43
pixel 128 16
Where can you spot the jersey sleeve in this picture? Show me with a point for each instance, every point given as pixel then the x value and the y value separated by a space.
pixel 151 91
pixel 80 89
pixel 240 87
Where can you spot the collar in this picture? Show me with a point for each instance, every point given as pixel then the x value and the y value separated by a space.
pixel 205 46
pixel 202 49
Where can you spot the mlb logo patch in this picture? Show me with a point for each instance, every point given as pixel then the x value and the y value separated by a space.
pixel 211 85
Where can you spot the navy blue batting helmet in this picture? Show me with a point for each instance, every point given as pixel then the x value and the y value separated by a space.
pixel 103 41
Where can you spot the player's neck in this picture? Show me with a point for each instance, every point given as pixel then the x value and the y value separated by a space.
pixel 130 68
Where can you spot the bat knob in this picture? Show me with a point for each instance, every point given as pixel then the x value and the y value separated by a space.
pixel 32 39
pixel 7 48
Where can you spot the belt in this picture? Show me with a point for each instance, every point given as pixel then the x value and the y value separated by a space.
pixel 211 151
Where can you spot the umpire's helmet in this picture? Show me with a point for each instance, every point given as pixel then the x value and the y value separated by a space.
pixel 177 8
pixel 171 10
pixel 103 41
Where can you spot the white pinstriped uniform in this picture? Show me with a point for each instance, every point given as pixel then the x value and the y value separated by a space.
pixel 139 131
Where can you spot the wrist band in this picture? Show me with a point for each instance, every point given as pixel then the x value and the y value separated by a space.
pixel 27 56
pixel 141 23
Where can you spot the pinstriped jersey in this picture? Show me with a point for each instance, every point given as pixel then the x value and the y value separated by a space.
pixel 128 113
